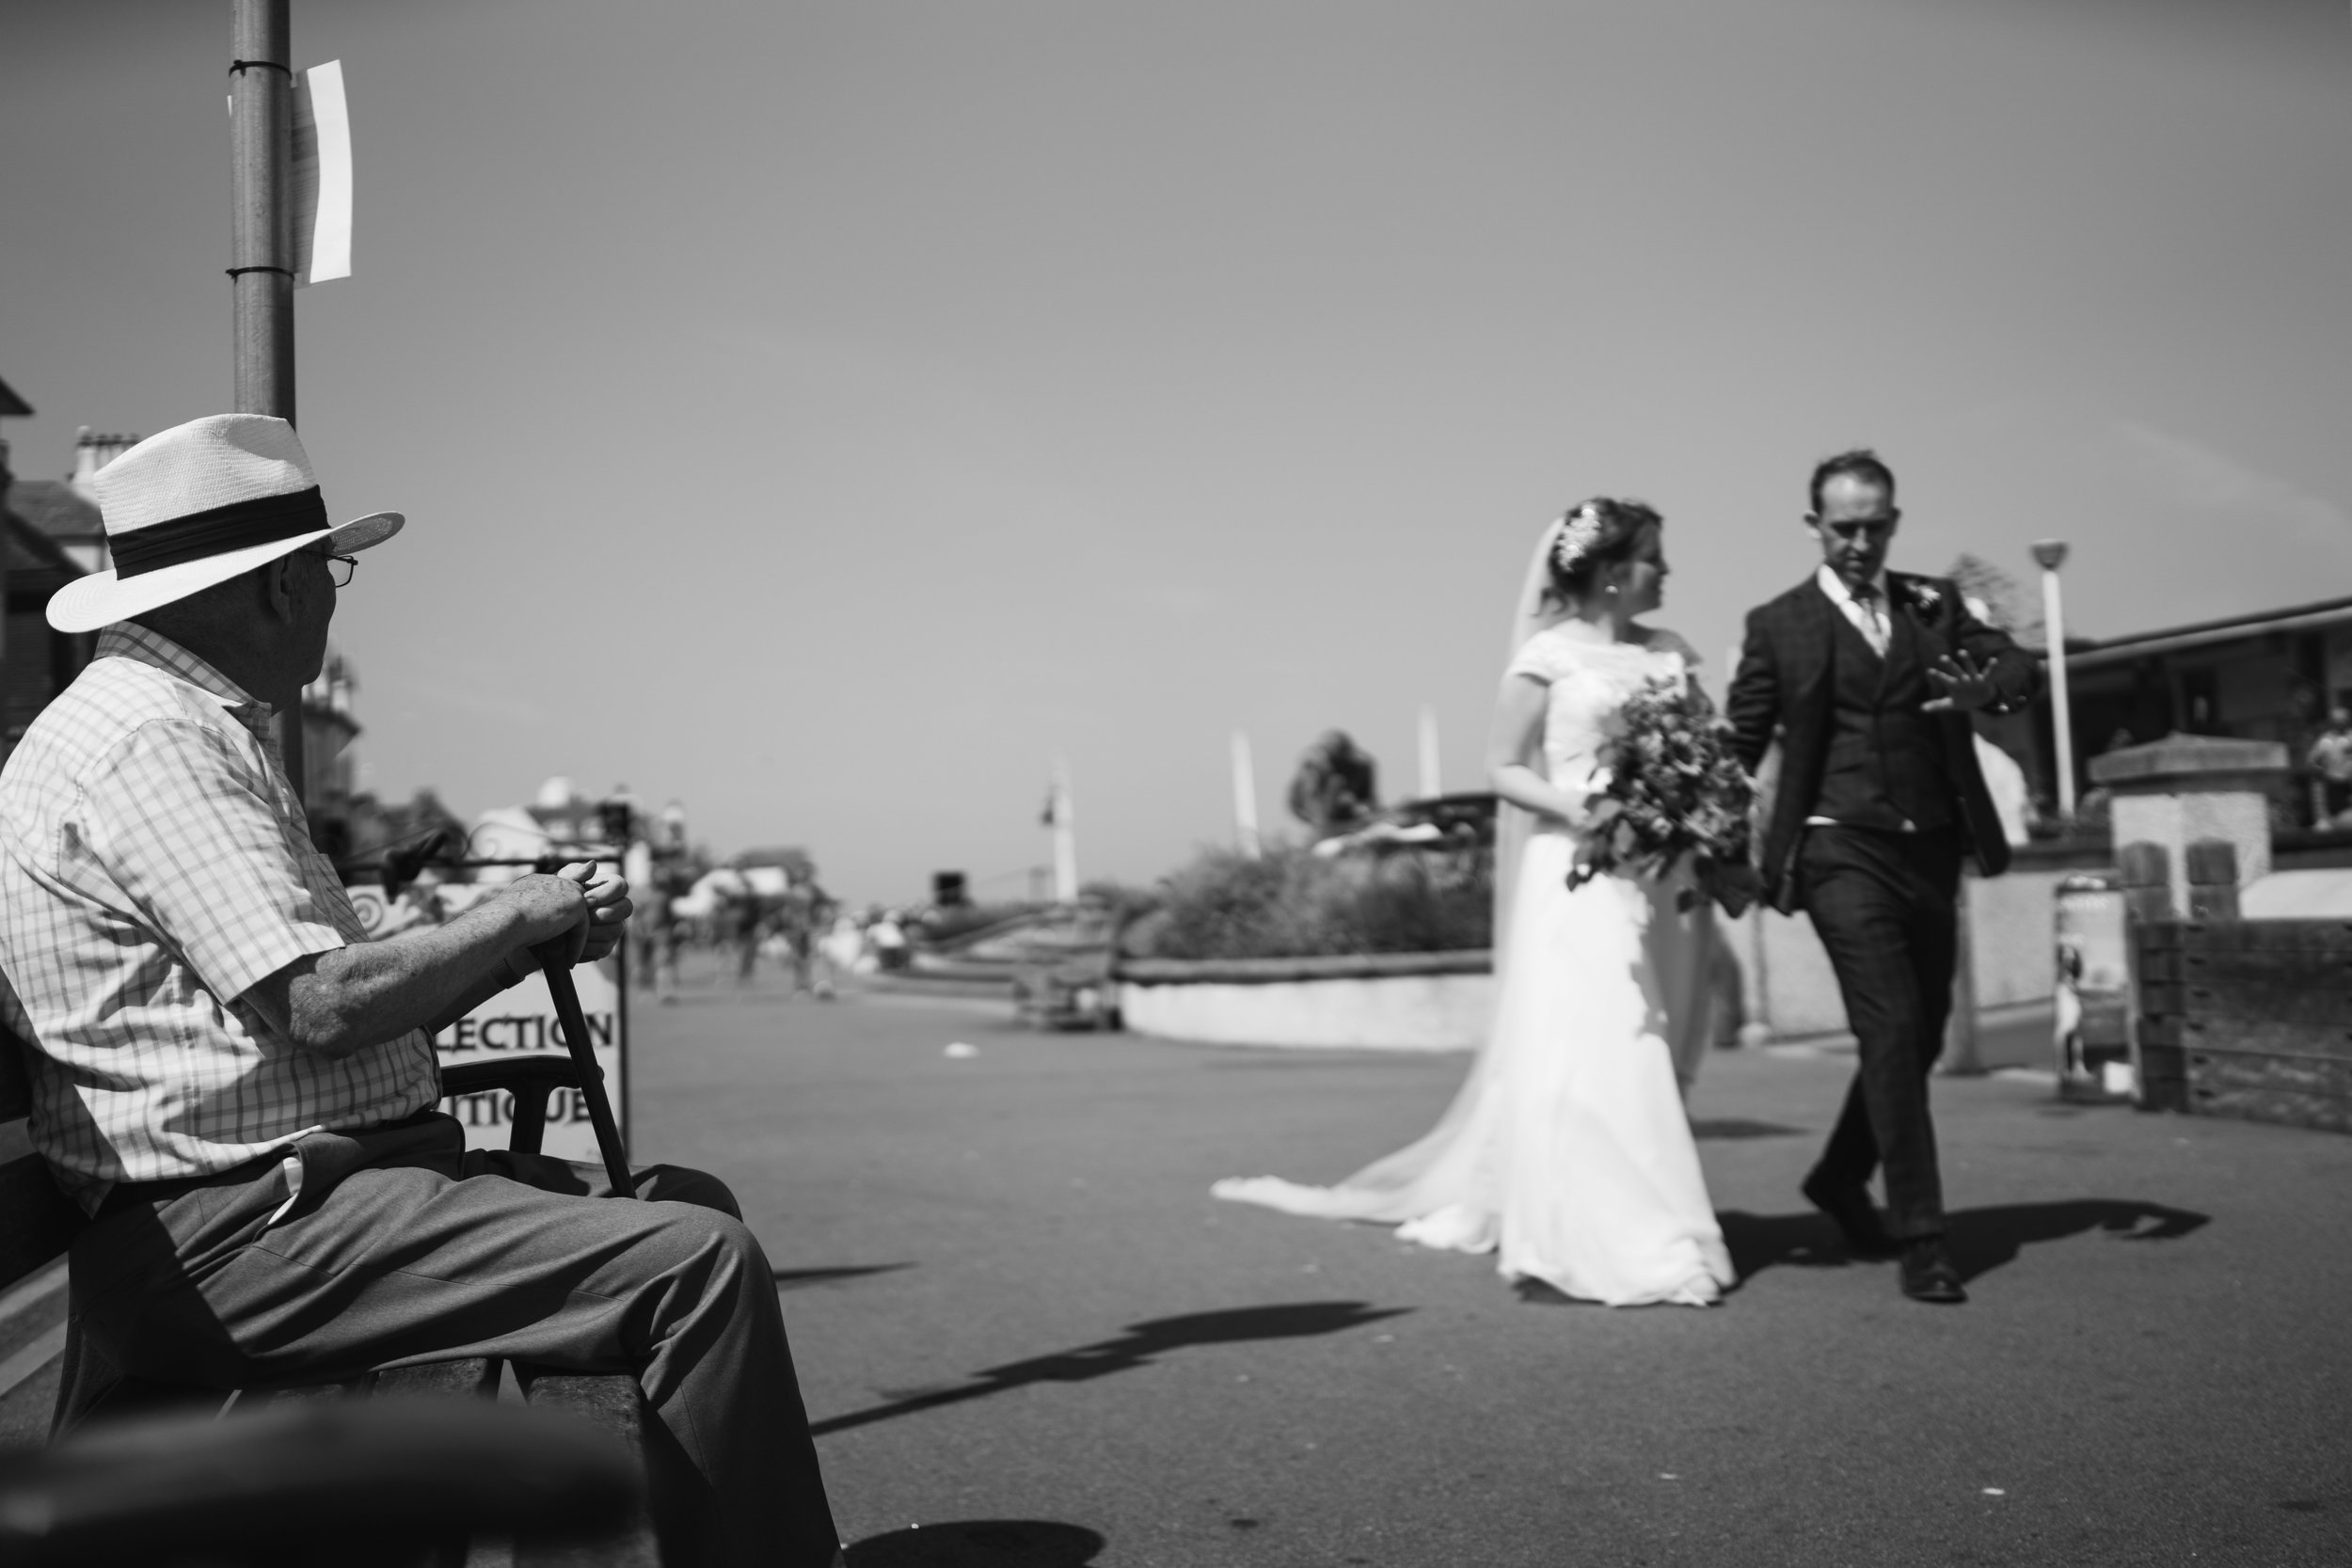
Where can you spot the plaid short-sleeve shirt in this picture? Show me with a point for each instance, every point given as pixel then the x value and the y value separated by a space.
pixel 155 865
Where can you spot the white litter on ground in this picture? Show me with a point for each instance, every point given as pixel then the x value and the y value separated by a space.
pixel 959 1051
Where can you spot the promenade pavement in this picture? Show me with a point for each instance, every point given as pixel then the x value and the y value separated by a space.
pixel 1014 1301
pixel 1024 1327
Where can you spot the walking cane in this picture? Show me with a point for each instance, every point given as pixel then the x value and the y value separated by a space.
pixel 555 962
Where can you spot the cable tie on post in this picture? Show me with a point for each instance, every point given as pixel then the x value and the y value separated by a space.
pixel 235 66
pixel 235 272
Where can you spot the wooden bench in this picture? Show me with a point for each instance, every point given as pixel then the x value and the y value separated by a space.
pixel 38 1224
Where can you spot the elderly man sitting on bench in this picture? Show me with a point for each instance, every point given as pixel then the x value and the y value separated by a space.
pixel 241 1092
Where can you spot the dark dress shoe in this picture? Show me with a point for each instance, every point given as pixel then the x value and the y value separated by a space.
pixel 1858 1221
pixel 1929 1274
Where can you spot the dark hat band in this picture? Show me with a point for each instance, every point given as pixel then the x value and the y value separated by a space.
pixel 200 535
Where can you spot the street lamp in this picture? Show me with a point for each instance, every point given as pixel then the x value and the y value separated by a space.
pixel 2050 554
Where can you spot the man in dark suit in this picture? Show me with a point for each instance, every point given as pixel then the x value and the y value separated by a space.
pixel 1866 679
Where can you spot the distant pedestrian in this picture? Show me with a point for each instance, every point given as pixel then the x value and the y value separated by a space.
pixel 844 946
pixel 2331 759
pixel 660 937
pixel 887 938
pixel 674 931
pixel 803 918
pixel 744 920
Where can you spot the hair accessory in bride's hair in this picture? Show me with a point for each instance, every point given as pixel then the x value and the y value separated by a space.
pixel 1579 531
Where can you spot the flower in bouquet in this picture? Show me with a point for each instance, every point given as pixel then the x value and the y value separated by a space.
pixel 1672 791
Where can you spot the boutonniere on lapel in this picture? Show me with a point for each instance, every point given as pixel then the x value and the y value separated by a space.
pixel 1927 596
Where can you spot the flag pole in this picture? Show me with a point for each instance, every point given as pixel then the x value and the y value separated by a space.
pixel 1065 837
pixel 261 275
pixel 1246 799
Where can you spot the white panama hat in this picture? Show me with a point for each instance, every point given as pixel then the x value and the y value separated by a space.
pixel 196 505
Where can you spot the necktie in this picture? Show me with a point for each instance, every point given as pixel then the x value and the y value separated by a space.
pixel 1873 607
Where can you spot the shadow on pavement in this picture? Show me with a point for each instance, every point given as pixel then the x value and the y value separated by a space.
pixel 1757 1242
pixel 1981 1240
pixel 1984 1239
pixel 1704 1128
pixel 1136 1346
pixel 795 1279
pixel 979 1544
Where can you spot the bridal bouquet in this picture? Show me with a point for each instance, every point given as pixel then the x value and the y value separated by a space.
pixel 1674 790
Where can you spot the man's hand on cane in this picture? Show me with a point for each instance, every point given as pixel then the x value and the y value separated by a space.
pixel 590 907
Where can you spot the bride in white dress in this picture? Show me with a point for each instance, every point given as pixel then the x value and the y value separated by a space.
pixel 1567 1152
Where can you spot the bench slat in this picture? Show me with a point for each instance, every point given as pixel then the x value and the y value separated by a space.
pixel 612 1402
pixel 314 1393
pixel 476 1377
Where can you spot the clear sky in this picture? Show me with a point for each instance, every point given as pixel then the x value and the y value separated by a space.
pixel 825 414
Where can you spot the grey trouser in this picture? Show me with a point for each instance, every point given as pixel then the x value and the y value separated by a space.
pixel 404 1246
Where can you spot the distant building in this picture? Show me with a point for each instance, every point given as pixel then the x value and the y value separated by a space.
pixel 329 770
pixel 45 530
pixel 67 510
pixel 2267 676
pixel 376 827
pixel 558 818
pixel 789 860
pixel 35 662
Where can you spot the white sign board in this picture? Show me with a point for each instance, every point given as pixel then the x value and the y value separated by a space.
pixel 521 1021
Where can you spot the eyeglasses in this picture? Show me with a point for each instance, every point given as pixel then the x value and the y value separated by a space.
pixel 1864 527
pixel 340 568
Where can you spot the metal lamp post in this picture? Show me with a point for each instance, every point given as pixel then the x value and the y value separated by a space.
pixel 260 91
pixel 2050 554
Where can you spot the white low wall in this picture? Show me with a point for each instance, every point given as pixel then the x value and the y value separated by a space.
pixel 2322 894
pixel 1441 1001
pixel 1385 1002
pixel 1791 990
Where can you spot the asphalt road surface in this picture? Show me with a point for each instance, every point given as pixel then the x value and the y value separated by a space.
pixel 1027 1336
pixel 1024 1327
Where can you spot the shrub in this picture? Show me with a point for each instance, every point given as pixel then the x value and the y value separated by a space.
pixel 1289 903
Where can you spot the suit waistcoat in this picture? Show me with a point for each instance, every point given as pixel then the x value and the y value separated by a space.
pixel 1885 764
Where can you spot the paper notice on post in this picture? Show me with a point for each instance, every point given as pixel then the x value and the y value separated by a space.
pixel 319 184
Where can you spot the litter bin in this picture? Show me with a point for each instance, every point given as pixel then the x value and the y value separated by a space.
pixel 2092 1028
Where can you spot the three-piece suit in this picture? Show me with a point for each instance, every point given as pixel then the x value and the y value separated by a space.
pixel 1877 803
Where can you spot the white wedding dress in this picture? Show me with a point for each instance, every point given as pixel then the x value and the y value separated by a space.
pixel 1567 1152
